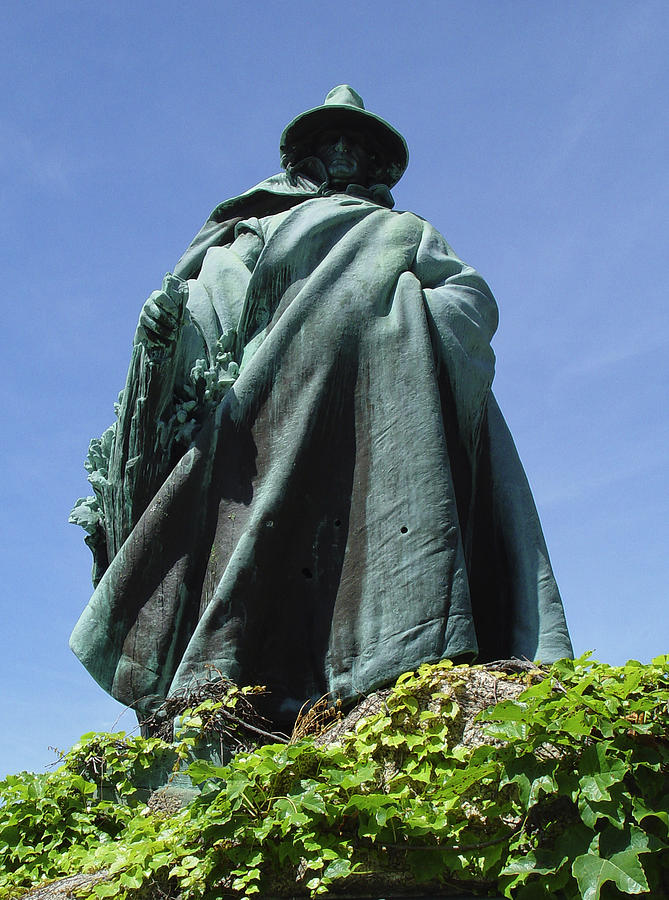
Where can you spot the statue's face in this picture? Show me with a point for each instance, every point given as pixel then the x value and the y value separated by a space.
pixel 344 157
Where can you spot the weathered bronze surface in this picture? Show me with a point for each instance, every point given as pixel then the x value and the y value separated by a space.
pixel 309 484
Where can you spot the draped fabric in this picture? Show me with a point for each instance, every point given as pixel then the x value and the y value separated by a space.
pixel 355 505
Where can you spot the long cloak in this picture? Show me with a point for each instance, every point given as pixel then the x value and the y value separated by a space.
pixel 355 505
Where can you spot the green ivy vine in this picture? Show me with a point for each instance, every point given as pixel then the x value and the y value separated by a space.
pixel 568 798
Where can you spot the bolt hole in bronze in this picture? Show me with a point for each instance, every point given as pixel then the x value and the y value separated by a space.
pixel 263 390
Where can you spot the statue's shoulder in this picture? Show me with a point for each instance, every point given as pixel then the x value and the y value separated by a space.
pixel 281 185
pixel 275 194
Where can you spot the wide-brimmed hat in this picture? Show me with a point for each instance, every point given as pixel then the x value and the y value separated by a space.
pixel 344 108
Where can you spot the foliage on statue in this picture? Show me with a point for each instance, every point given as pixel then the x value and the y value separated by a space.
pixel 108 515
pixel 567 798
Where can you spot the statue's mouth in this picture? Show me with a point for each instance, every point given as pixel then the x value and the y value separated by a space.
pixel 345 161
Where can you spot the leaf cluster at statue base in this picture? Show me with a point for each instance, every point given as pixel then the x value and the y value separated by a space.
pixel 567 796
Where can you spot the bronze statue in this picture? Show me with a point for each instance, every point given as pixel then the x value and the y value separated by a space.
pixel 309 484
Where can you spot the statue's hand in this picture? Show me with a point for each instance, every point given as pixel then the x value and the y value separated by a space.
pixel 162 315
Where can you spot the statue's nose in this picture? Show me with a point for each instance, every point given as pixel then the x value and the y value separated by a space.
pixel 341 143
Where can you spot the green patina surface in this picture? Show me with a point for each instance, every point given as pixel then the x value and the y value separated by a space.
pixel 309 484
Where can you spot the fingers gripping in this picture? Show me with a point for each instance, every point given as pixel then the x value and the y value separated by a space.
pixel 162 315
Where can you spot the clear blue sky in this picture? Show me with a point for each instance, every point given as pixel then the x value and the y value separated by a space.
pixel 538 139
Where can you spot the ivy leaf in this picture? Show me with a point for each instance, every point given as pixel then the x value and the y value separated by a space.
pixel 338 868
pixel 422 772
pixel 578 724
pixel 536 862
pixel 235 785
pixel 393 740
pixel 591 811
pixel 414 740
pixel 507 730
pixel 312 801
pixel 359 776
pixel 599 770
pixel 461 780
pixel 506 711
pixel 200 770
pixel 641 812
pixel 131 879
pixel 531 775
pixel 624 869
pixel 289 815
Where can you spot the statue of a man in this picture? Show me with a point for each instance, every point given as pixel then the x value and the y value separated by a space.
pixel 310 485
